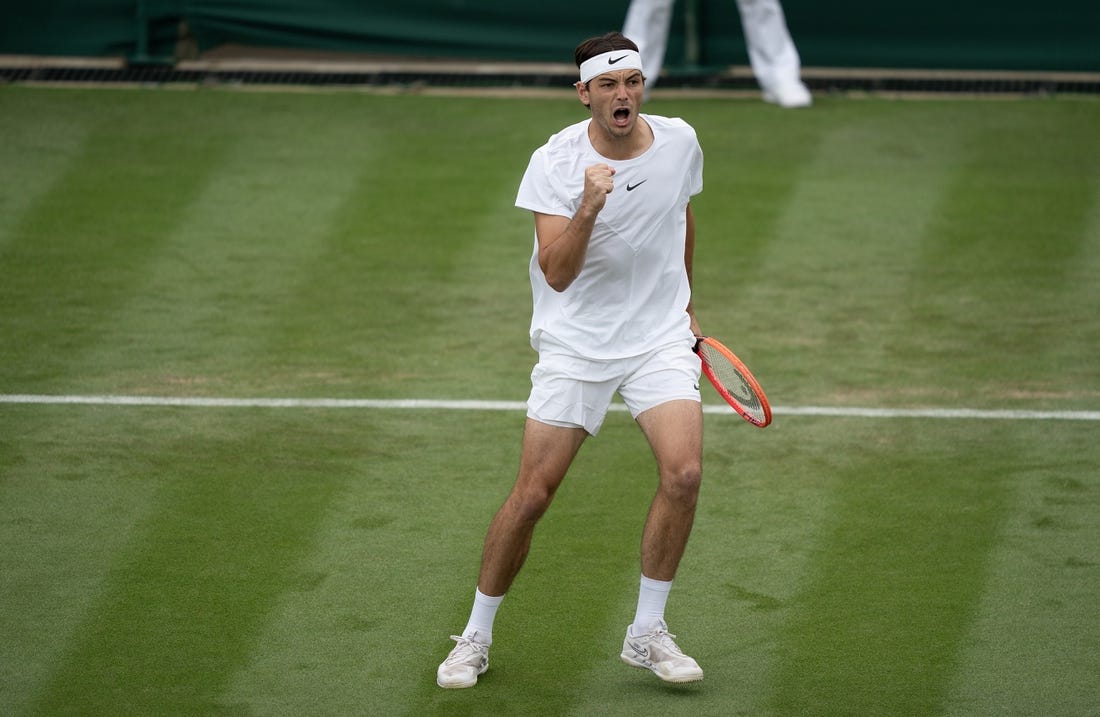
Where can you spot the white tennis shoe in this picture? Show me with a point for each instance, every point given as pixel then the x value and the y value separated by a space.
pixel 468 660
pixel 789 94
pixel 656 651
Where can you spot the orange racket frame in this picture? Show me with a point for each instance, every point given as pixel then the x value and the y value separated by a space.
pixel 759 415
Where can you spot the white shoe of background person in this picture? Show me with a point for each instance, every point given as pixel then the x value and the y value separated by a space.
pixel 789 95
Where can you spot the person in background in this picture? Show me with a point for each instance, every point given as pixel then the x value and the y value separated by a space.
pixel 772 54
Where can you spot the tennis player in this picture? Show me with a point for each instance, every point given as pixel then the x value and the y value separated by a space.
pixel 611 281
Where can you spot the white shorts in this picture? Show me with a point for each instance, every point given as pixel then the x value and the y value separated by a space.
pixel 573 391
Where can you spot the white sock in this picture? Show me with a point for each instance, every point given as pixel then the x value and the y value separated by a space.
pixel 652 596
pixel 482 616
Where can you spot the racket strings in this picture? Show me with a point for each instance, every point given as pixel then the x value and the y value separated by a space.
pixel 732 380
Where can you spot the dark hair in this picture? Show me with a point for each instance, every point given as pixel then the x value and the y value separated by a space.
pixel 599 45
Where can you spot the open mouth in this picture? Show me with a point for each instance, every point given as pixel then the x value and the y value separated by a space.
pixel 621 115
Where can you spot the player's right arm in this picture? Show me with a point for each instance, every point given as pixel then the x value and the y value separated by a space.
pixel 563 242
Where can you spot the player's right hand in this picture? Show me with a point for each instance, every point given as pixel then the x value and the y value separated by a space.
pixel 598 183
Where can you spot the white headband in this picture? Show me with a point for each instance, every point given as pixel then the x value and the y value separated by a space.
pixel 609 62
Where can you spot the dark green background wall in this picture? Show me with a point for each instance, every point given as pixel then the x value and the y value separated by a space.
pixel 979 34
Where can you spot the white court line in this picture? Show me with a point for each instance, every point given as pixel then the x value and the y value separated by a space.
pixel 416 403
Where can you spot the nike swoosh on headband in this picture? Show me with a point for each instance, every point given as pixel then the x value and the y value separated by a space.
pixel 621 59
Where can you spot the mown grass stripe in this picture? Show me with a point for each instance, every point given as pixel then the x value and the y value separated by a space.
pixel 898 574
pixel 1042 580
pixel 853 223
pixel 38 148
pixel 71 493
pixel 228 279
pixel 80 248
pixel 185 596
pixel 999 288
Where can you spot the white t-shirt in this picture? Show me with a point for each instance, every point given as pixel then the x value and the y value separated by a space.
pixel 632 293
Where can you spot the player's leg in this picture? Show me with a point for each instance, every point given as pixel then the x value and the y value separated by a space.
pixel 568 402
pixel 547 454
pixel 545 458
pixel 675 432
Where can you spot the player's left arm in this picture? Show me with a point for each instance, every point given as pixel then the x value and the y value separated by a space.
pixel 689 257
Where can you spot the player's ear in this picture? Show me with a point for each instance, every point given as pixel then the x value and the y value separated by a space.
pixel 582 92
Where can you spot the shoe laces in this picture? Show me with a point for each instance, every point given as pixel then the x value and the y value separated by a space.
pixel 665 639
pixel 466 648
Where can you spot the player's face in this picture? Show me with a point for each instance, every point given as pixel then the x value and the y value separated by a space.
pixel 615 99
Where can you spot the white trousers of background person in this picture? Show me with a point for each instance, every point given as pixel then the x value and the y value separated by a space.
pixel 772 54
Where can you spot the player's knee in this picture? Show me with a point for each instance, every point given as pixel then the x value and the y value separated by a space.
pixel 682 484
pixel 531 503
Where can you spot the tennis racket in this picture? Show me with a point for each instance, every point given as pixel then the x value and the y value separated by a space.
pixel 733 381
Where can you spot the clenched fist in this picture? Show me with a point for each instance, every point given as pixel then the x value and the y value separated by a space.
pixel 598 183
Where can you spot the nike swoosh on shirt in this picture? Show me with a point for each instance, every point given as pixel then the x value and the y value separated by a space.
pixel 632 187
pixel 613 60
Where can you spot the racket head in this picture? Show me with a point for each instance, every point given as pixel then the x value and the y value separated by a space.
pixel 733 381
